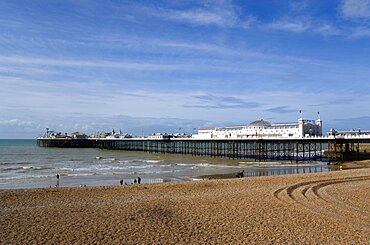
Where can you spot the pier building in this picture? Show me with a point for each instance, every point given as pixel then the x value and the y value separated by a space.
pixel 264 129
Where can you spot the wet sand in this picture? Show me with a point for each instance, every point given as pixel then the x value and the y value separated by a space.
pixel 325 208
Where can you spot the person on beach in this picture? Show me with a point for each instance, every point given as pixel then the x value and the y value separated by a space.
pixel 135 181
pixel 57 180
pixel 121 181
pixel 241 174
pixel 138 180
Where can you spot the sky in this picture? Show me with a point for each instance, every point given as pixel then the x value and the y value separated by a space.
pixel 173 66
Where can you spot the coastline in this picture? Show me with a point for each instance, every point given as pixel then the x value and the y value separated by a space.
pixel 354 165
pixel 327 207
pixel 335 167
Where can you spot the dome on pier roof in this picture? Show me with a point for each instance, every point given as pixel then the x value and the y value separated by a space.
pixel 260 123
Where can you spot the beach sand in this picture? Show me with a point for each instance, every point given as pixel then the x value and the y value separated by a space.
pixel 324 208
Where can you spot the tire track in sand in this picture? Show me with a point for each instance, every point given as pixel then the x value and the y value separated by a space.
pixel 312 195
pixel 323 193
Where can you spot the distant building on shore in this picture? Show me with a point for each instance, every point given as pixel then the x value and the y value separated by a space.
pixel 261 128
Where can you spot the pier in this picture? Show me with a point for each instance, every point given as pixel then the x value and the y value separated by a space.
pixel 332 149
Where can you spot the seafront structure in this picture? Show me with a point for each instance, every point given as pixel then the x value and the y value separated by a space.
pixel 263 129
pixel 259 140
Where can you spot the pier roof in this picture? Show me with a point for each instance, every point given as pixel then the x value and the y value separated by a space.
pixel 260 123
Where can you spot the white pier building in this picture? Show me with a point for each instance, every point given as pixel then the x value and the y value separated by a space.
pixel 264 129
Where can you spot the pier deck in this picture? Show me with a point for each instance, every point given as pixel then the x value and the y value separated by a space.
pixel 305 149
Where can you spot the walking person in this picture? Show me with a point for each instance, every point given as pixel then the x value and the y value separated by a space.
pixel 138 180
pixel 121 181
pixel 57 180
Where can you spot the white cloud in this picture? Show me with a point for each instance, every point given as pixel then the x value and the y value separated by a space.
pixel 328 30
pixel 202 17
pixel 190 65
pixel 289 25
pixel 356 9
pixel 305 24
pixel 16 122
pixel 187 65
pixel 88 63
pixel 8 69
pixel 221 13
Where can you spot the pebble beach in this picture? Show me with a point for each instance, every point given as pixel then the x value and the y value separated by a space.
pixel 313 208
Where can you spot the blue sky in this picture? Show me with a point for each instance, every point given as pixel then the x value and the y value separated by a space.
pixel 163 65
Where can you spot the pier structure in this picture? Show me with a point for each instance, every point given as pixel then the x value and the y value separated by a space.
pixel 316 148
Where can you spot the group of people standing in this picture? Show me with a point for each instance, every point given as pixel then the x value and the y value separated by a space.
pixel 136 181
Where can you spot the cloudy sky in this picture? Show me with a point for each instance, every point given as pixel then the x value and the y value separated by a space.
pixel 147 66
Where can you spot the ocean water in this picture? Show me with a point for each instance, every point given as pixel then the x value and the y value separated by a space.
pixel 25 165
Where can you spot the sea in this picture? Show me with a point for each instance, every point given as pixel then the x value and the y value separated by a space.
pixel 23 164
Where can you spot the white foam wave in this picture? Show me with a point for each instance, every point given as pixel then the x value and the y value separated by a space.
pixel 152 161
pixel 109 159
pixel 36 168
pixel 67 169
pixel 80 174
pixel 184 164
pixel 140 161
pixel 249 163
pixel 25 168
pixel 19 177
pixel 124 161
